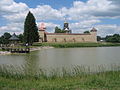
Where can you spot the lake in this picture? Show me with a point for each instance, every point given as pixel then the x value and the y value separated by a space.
pixel 64 57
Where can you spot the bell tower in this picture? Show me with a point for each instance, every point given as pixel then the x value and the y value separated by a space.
pixel 66 27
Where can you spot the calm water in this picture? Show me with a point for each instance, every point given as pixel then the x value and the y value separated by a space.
pixel 64 57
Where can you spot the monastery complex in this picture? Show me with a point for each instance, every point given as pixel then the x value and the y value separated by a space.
pixel 68 36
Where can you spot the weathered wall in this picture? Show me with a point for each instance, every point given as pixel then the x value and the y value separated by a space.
pixel 42 36
pixel 71 37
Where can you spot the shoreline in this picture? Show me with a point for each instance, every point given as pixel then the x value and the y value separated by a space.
pixel 4 52
pixel 40 48
pixel 31 49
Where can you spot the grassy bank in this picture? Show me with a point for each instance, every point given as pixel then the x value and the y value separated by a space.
pixel 72 45
pixel 11 78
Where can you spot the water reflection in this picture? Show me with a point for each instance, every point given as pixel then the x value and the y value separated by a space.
pixel 64 57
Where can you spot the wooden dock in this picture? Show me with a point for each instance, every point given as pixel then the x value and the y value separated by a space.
pixel 17 50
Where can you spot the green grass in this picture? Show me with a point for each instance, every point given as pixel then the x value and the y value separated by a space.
pixel 69 45
pixel 13 78
pixel 72 45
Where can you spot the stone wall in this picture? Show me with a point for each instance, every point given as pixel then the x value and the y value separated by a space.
pixel 59 37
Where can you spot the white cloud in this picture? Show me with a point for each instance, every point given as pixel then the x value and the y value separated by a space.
pixel 46 12
pixel 12 28
pixel 92 9
pixel 6 2
pixel 103 30
pixel 85 15
pixel 11 7
pixel 16 17
pixel 80 27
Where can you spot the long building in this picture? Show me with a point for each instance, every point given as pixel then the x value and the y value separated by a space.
pixel 68 36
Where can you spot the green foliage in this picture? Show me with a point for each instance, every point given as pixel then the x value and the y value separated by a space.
pixel 58 30
pixel 21 37
pixel 7 35
pixel 86 32
pixel 72 45
pixel 98 38
pixel 4 39
pixel 30 30
pixel 113 38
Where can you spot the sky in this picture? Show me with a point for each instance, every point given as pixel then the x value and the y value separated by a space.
pixel 82 15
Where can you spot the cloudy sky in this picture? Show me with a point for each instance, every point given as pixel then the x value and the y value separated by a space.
pixel 82 15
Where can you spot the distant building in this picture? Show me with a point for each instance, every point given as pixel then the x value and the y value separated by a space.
pixel 68 36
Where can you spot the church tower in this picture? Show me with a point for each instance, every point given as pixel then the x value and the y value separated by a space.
pixel 66 27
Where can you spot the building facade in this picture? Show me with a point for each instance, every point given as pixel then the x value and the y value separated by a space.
pixel 68 36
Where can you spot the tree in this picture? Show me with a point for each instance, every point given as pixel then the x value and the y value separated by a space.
pixel 86 32
pixel 7 35
pixel 113 38
pixel 1 40
pixel 59 30
pixel 21 37
pixel 4 39
pixel 98 38
pixel 30 29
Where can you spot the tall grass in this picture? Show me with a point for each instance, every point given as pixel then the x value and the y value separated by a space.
pixel 10 71
pixel 81 77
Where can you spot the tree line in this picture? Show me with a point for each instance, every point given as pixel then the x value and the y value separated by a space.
pixel 110 38
pixel 4 39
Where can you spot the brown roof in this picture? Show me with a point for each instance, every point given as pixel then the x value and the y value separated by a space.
pixel 94 30
pixel 41 30
pixel 67 33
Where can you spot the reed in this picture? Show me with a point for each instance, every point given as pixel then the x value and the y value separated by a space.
pixel 10 71
pixel 102 77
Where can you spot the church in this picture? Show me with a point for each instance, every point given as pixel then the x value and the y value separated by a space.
pixel 68 36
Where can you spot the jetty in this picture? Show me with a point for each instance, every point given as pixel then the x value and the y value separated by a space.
pixel 16 50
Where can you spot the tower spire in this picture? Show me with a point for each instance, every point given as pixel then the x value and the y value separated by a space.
pixel 66 26
pixel 65 20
